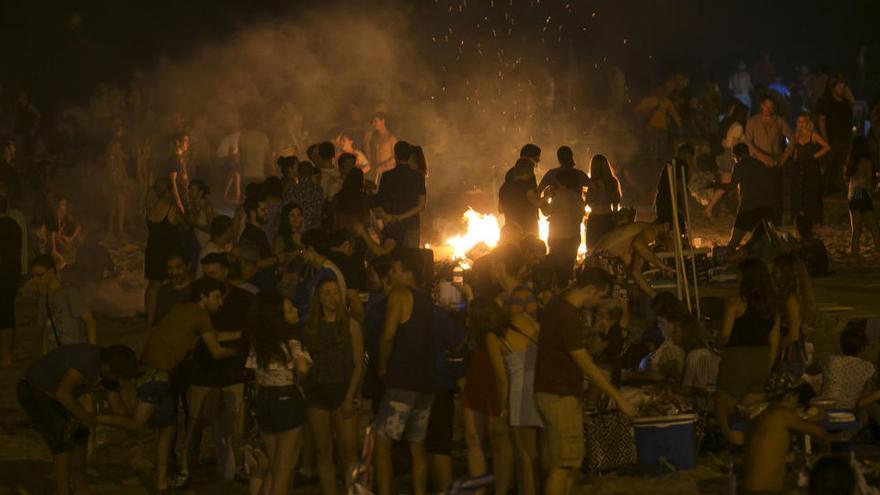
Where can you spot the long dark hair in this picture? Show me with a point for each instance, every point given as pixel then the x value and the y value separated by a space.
pixel 860 150
pixel 603 175
pixel 350 197
pixel 267 329
pixel 284 231
pixel 756 287
pixel 485 317
pixel 311 335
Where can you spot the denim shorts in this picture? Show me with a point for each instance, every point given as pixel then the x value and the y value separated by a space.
pixel 404 412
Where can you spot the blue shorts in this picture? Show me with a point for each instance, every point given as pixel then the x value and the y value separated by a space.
pixel 158 394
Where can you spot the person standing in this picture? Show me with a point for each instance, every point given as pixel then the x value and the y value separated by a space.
pixel 860 179
pixel 176 289
pixel 765 135
pixel 255 156
pixel 166 347
pixel 753 179
pixel 518 198
pixel 566 162
pixel 835 120
pixel 603 198
pixel 308 195
pixel 381 146
pixel 740 85
pixel 118 183
pixel 216 390
pixel 402 198
pixel 255 249
pixel 222 234
pixel 749 341
pixel 560 367
pixel 11 238
pixel 163 219
pixel 62 316
pixel 807 148
pixel 566 212
pixel 406 365
pixel 278 362
pixel 335 342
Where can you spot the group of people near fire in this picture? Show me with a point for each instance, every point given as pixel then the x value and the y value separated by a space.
pixel 299 325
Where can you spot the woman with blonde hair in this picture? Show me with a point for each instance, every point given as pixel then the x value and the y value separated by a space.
pixel 334 340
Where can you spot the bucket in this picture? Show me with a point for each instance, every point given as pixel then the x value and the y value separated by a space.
pixel 667 437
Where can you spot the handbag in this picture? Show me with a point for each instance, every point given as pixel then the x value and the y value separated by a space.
pixel 610 441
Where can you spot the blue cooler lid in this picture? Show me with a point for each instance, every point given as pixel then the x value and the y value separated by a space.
pixel 664 421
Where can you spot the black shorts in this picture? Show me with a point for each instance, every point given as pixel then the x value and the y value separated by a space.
pixel 438 439
pixel 748 220
pixel 279 409
pixel 8 292
pixel 61 431
pixel 329 396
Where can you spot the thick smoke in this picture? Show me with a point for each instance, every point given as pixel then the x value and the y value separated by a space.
pixel 334 66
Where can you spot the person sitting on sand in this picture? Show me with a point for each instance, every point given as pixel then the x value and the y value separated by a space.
pixel 629 242
pixel 769 436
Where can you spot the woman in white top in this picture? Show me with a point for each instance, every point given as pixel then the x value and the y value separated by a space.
pixel 278 362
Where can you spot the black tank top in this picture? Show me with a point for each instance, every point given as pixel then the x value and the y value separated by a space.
pixel 411 364
pixel 750 330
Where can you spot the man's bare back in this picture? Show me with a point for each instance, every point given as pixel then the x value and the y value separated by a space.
pixel 767 446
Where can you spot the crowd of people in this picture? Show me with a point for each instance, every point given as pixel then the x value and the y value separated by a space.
pixel 296 317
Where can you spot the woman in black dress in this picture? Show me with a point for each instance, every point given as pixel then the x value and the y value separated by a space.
pixel 806 150
pixel 164 221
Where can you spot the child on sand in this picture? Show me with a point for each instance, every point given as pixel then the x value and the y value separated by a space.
pixel 769 436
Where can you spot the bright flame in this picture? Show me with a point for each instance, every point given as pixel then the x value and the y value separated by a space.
pixel 486 229
pixel 480 228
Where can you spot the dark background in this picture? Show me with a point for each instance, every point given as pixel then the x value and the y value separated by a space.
pixel 60 51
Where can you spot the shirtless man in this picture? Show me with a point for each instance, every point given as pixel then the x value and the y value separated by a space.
pixel 381 146
pixel 630 242
pixel 769 436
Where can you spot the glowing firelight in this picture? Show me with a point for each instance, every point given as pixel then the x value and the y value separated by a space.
pixel 486 229
pixel 480 228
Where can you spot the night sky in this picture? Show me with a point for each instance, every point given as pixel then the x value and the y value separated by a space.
pixel 62 50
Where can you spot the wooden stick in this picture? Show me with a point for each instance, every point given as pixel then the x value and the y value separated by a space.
pixel 681 278
pixel 687 217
